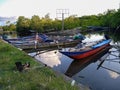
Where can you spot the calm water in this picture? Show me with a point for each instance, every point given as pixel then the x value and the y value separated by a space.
pixel 90 72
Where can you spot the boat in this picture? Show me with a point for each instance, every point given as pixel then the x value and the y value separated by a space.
pixel 78 65
pixel 28 40
pixel 86 50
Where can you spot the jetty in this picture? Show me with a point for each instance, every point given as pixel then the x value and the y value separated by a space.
pixel 43 45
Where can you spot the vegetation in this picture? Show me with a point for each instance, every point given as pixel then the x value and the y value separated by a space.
pixel 23 25
pixel 110 18
pixel 42 78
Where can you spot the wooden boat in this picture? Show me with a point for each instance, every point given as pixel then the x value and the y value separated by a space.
pixel 86 51
pixel 78 65
pixel 46 45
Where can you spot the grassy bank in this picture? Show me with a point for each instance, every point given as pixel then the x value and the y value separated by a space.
pixel 41 78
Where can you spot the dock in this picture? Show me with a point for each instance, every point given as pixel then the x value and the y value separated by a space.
pixel 47 45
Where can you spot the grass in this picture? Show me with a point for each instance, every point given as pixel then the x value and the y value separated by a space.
pixel 42 78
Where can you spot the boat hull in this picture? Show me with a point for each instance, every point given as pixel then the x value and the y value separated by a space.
pixel 78 65
pixel 89 53
pixel 83 54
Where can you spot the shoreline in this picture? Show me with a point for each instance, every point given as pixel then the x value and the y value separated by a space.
pixel 13 54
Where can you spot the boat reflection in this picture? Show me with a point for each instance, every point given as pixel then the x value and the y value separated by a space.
pixel 77 65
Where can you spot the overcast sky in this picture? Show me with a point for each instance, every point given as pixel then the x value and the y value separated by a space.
pixel 29 8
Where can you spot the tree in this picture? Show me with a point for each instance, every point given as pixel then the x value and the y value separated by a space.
pixel 7 22
pixel 36 24
pixel 12 27
pixel 23 25
pixel 115 20
pixel 72 22
pixel 107 17
pixel 57 24
pixel 47 22
pixel 5 28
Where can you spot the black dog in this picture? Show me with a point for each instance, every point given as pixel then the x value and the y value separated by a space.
pixel 19 66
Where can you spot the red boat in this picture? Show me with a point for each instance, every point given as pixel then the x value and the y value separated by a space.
pixel 86 51
pixel 78 65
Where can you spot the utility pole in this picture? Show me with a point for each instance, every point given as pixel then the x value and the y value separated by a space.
pixel 60 13
pixel 62 21
pixel 119 5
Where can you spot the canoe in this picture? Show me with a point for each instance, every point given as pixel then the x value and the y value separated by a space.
pixel 78 65
pixel 86 51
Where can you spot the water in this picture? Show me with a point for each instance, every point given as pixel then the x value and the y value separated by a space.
pixel 91 71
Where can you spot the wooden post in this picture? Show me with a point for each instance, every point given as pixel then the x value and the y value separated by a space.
pixel 36 40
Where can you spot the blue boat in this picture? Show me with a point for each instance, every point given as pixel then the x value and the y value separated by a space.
pixel 86 51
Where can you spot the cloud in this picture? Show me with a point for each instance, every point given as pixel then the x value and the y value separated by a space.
pixel 27 8
pixel 50 58
pixel 17 7
pixel 113 75
pixel 41 7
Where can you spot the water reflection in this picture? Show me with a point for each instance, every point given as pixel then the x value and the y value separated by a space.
pixel 113 75
pixel 50 58
pixel 77 65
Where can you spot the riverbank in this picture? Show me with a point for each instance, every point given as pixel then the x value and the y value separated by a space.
pixel 37 77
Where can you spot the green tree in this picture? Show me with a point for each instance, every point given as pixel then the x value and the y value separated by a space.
pixel 23 25
pixel 72 22
pixel 5 28
pixel 47 22
pixel 36 24
pixel 57 24
pixel 107 18
pixel 12 27
pixel 115 20
pixel 7 22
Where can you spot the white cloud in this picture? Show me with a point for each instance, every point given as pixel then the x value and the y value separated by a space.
pixel 113 75
pixel 50 58
pixel 18 7
pixel 29 8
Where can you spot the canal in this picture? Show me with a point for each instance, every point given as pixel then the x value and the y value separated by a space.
pixel 99 72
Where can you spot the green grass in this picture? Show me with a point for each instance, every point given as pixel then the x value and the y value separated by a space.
pixel 42 78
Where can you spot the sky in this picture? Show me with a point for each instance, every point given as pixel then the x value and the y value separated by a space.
pixel 28 8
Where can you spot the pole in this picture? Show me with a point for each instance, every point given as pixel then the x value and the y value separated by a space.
pixel 62 12
pixel 119 5
pixel 62 21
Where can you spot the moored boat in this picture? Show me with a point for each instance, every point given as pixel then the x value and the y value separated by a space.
pixel 78 65
pixel 86 51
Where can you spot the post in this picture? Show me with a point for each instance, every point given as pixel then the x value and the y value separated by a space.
pixel 119 5
pixel 62 12
pixel 62 21
pixel 36 40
